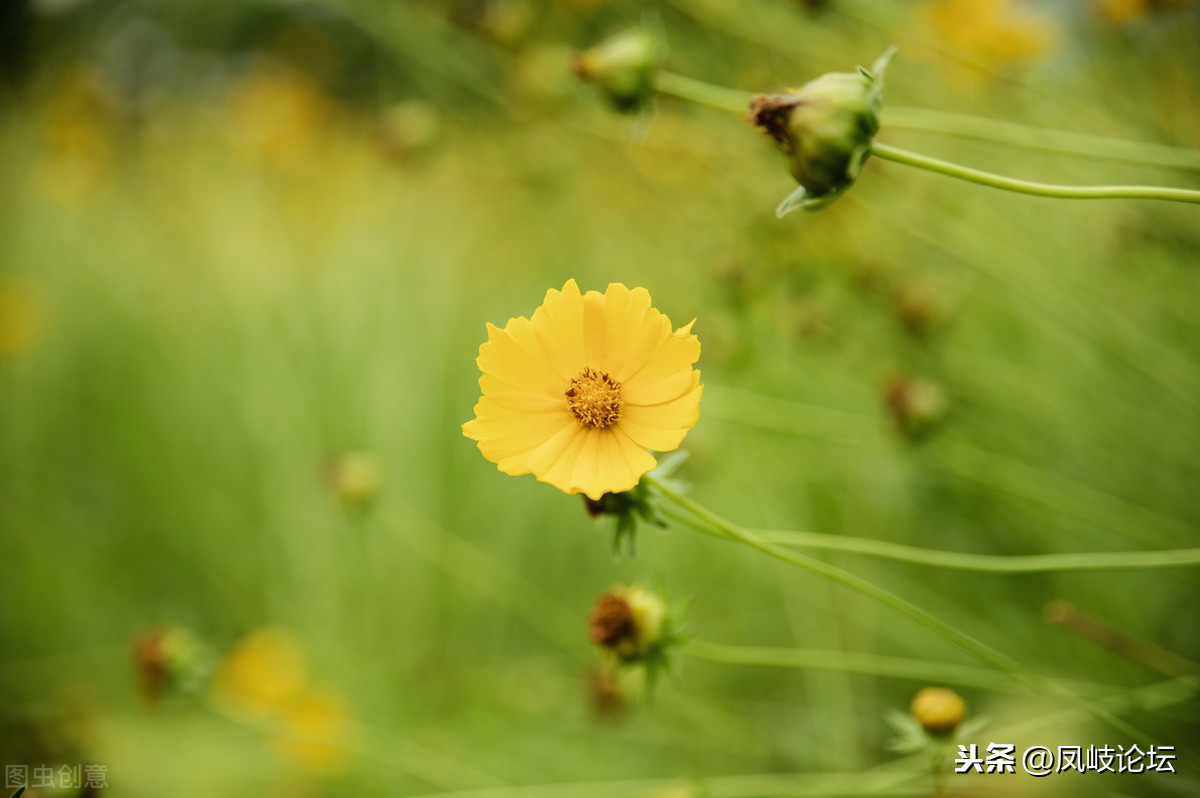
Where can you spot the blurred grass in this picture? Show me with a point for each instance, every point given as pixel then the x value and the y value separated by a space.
pixel 208 301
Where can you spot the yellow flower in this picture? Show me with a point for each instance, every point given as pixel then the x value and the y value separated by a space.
pixel 578 393
pixel 315 730
pixel 265 671
pixel 992 32
pixel 264 680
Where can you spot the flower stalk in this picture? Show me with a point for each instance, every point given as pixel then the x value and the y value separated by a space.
pixel 704 520
pixel 949 169
pixel 990 130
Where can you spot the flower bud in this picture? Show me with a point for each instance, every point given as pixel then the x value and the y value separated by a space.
pixel 916 405
pixel 164 657
pixel 630 622
pixel 824 129
pixel 921 307
pixel 355 479
pixel 623 68
pixel 939 710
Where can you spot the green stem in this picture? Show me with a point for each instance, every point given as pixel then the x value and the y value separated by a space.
pixel 1000 132
pixel 1033 563
pixel 704 520
pixel 711 523
pixel 917 670
pixel 1026 187
pixel 737 786
pixel 980 128
pixel 703 93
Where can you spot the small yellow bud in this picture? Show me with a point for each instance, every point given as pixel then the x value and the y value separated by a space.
pixel 623 68
pixel 939 710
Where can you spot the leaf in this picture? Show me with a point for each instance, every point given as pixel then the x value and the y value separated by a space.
pixel 799 200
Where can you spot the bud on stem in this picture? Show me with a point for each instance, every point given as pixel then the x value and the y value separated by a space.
pixel 824 129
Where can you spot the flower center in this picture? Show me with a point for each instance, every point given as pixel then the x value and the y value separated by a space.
pixel 595 399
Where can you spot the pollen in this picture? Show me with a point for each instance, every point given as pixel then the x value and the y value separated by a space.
pixel 595 399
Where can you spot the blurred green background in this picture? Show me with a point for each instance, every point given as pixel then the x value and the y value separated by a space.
pixel 240 240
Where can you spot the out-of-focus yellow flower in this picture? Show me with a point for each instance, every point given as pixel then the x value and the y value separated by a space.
pixel 277 112
pixel 989 32
pixel 577 394
pixel 314 729
pixel 18 318
pixel 1120 12
pixel 75 122
pixel 265 672
pixel 264 680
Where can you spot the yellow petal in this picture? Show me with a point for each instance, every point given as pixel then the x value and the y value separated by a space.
pixel 556 464
pixel 638 459
pixel 512 356
pixel 634 330
pixel 595 330
pixel 507 438
pixel 615 472
pixel 662 427
pixel 667 374
pixel 558 324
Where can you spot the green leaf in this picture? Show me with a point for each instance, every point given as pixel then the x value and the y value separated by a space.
pixel 799 200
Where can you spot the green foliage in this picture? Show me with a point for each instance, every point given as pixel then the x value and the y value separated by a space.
pixel 226 267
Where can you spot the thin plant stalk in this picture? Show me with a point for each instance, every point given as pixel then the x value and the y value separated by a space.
pixel 918 670
pixel 996 131
pixel 704 520
pixel 1053 191
pixel 988 563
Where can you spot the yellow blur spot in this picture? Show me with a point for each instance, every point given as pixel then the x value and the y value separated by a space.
pixel 18 319
pixel 277 113
pixel 77 144
pixel 262 674
pixel 264 681
pixel 314 729
pixel 989 33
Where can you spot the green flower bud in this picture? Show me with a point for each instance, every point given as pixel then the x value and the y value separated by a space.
pixel 165 658
pixel 917 406
pixel 634 626
pixel 824 129
pixel 627 622
pixel 623 68
pixel 355 479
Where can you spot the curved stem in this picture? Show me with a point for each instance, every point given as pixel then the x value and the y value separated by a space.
pixel 991 130
pixel 917 670
pixel 991 563
pixel 1000 132
pixel 712 523
pixel 1026 187
pixel 704 93
pixel 704 520
pixel 874 782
